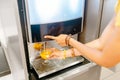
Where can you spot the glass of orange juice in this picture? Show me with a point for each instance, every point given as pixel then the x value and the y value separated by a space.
pixel 45 54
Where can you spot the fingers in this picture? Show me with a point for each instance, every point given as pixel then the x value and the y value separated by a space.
pixel 50 37
pixel 55 55
pixel 52 57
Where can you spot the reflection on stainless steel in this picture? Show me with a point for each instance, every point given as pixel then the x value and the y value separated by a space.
pixel 45 67
pixel 45 43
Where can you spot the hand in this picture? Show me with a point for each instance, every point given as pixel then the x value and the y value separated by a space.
pixel 59 39
pixel 45 54
pixel 57 55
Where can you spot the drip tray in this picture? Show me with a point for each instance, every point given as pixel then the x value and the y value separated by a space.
pixel 46 67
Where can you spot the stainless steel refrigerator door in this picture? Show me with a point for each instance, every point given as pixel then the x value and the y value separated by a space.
pixel 108 13
pixel 14 52
pixel 92 20
pixel 4 68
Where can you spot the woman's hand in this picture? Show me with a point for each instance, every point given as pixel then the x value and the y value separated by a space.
pixel 64 54
pixel 57 55
pixel 59 39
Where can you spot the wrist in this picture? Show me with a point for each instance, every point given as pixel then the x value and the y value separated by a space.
pixel 66 53
pixel 70 53
pixel 67 39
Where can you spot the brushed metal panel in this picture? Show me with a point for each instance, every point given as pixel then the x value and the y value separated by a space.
pixel 92 20
pixel 10 21
pixel 108 13
pixel 3 62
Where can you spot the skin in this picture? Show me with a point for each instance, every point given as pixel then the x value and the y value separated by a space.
pixel 104 51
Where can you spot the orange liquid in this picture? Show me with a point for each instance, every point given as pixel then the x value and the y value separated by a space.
pixel 45 54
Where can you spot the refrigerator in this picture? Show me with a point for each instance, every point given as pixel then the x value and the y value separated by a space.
pixel 17 36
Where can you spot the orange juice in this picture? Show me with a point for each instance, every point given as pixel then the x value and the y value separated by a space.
pixel 45 54
pixel 37 46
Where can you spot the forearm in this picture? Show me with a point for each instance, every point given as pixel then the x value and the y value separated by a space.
pixel 94 50
pixel 88 52
pixel 96 44
pixel 72 52
pixel 93 44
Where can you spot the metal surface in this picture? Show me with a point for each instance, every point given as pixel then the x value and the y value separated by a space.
pixel 4 68
pixel 108 13
pixel 91 20
pixel 46 67
pixel 88 71
pixel 41 33
pixel 11 22
pixel 12 44
pixel 91 29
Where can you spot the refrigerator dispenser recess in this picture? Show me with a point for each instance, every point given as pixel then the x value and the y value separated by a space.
pixel 40 18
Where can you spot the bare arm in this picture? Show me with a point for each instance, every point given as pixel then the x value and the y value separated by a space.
pixel 100 42
pixel 105 51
